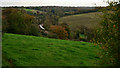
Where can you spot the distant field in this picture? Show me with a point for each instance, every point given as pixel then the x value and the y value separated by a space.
pixel 89 20
pixel 22 50
pixel 33 11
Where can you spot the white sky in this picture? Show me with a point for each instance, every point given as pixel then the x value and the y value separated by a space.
pixel 54 2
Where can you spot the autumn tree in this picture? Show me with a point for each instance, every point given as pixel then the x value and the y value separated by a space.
pixel 60 31
pixel 66 26
pixel 108 35
pixel 15 20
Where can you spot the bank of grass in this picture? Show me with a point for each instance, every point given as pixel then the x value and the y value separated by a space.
pixel 22 50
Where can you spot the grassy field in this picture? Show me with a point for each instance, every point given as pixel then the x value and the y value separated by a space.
pixel 22 50
pixel 33 11
pixel 89 20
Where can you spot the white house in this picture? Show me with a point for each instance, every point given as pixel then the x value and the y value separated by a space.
pixel 41 27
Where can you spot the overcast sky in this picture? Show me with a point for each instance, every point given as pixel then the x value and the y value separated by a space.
pixel 54 2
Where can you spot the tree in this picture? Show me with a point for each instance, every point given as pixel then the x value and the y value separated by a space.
pixel 108 35
pixel 15 20
pixel 47 22
pixel 66 26
pixel 60 31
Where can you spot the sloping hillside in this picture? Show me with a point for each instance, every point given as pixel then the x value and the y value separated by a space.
pixel 89 20
pixel 22 50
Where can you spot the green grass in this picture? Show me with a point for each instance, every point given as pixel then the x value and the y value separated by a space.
pixel 89 20
pixel 28 9
pixel 22 50
pixel 82 36
pixel 33 11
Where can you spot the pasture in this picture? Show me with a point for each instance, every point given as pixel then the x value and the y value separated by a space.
pixel 22 50
pixel 33 11
pixel 89 20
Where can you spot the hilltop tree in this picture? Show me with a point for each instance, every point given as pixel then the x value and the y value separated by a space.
pixel 17 21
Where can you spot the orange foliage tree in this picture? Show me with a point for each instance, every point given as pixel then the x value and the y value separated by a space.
pixel 60 31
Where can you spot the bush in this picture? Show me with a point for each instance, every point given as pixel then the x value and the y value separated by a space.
pixel 52 35
pixel 82 39
pixel 34 30
pixel 4 25
pixel 89 33
pixel 82 30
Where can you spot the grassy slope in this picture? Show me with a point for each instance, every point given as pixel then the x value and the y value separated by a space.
pixel 88 19
pixel 21 50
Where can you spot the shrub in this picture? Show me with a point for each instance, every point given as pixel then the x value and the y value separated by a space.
pixel 52 35
pixel 88 33
pixel 34 30
pixel 82 39
pixel 4 25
